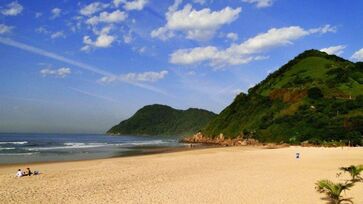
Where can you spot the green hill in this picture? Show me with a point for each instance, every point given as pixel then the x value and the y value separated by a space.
pixel 315 97
pixel 163 120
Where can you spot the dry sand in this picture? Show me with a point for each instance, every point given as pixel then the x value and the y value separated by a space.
pixel 217 175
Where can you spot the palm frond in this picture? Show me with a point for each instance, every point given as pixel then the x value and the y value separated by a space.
pixel 354 171
pixel 331 189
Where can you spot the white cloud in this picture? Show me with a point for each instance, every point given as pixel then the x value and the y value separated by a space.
pixel 273 37
pixel 56 12
pixel 324 29
pixel 61 72
pixel 201 2
pixel 174 7
pixel 12 9
pixel 141 50
pixel 118 2
pixel 38 14
pixel 105 17
pixel 58 34
pixel 103 40
pixel 197 25
pixel 53 35
pixel 76 23
pixel 127 38
pixel 358 55
pixel 51 55
pixel 163 33
pixel 92 8
pixel 136 77
pixel 131 5
pixel 260 3
pixel 135 5
pixel 41 29
pixel 247 51
pixel 92 94
pixel 5 29
pixel 195 55
pixel 334 50
pixel 232 36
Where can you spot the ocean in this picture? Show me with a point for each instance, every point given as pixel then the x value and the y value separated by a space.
pixel 29 148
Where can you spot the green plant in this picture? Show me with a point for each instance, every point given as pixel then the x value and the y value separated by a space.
pixel 354 172
pixel 163 120
pixel 315 93
pixel 334 190
pixel 297 103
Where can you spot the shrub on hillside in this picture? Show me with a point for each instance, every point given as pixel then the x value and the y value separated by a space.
pixel 315 93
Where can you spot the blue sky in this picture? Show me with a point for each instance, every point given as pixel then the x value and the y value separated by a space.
pixel 82 66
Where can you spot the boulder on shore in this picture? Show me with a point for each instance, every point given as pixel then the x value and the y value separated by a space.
pixel 219 140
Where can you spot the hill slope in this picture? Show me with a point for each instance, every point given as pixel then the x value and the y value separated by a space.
pixel 316 97
pixel 163 120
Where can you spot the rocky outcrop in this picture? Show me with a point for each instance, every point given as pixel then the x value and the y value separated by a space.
pixel 220 140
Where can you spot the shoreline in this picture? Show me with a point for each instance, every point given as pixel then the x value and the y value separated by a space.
pixel 156 151
pixel 170 150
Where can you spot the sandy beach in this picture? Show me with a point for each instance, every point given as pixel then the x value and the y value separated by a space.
pixel 214 175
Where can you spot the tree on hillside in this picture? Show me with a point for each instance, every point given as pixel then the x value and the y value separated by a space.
pixel 315 93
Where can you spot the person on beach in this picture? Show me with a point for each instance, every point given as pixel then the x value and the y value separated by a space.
pixel 28 172
pixel 19 173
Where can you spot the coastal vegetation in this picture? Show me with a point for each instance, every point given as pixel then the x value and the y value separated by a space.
pixel 333 190
pixel 354 172
pixel 163 120
pixel 315 98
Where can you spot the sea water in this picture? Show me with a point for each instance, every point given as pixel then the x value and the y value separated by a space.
pixel 27 148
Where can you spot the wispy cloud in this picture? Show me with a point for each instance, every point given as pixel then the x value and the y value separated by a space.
pixel 248 50
pixel 61 72
pixel 92 8
pixel 358 55
pixel 38 51
pixel 59 34
pixel 27 99
pixel 93 95
pixel 56 12
pixel 136 77
pixel 12 9
pixel 135 5
pixel 260 3
pixel 334 50
pixel 5 29
pixel 221 94
pixel 45 53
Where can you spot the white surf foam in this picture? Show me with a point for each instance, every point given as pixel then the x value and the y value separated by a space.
pixel 18 154
pixel 69 145
pixel 6 148
pixel 152 142
pixel 22 142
